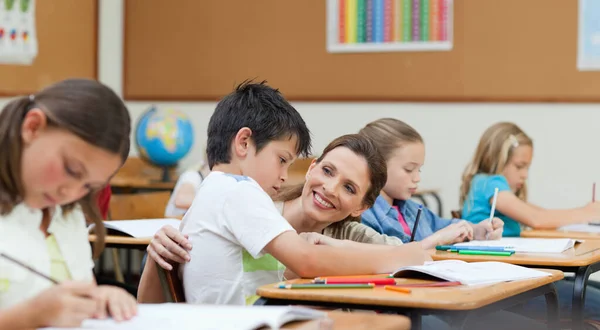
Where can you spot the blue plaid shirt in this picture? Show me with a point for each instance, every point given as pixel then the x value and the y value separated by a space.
pixel 383 218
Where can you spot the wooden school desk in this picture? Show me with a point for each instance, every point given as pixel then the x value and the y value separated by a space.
pixel 539 233
pixel 462 302
pixel 583 260
pixel 355 321
pixel 123 242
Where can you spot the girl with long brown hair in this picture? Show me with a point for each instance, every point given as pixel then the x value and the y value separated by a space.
pixel 58 148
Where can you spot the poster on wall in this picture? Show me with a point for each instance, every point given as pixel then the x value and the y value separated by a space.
pixel 588 44
pixel 18 39
pixel 355 26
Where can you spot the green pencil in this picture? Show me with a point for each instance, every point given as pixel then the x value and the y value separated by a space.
pixel 326 286
pixel 486 253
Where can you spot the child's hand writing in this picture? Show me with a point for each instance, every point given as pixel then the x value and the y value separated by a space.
pixel 488 230
pixel 167 245
pixel 119 303
pixel 454 233
pixel 65 305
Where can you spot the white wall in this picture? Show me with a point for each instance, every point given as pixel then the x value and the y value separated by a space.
pixel 565 162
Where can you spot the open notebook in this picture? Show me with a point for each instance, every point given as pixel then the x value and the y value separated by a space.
pixel 531 245
pixel 206 317
pixel 138 228
pixel 470 273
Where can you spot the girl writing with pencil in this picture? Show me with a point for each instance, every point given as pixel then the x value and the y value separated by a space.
pixel 501 162
pixel 59 147
pixel 393 213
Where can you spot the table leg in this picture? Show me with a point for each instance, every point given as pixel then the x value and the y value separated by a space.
pixel 463 319
pixel 552 309
pixel 415 320
pixel 581 277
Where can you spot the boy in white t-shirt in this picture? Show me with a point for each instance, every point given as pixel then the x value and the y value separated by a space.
pixel 253 136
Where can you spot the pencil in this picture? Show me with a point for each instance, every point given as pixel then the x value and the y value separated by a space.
pixel 594 192
pixel 326 286
pixel 28 268
pixel 429 285
pixel 366 280
pixel 385 275
pixel 397 289
pixel 414 230
pixel 493 210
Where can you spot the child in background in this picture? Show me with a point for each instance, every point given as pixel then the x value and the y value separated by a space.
pixel 394 213
pixel 59 147
pixel 185 190
pixel 502 161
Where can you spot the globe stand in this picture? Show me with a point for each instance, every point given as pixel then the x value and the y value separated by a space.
pixel 166 173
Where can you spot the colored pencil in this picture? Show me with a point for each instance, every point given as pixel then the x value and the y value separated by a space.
pixel 376 281
pixel 326 286
pixel 429 285
pixel 397 289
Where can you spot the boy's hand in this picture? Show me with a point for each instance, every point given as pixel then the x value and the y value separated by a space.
pixel 167 245
pixel 118 302
pixel 318 239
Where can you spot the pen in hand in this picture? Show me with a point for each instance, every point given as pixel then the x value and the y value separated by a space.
pixel 492 211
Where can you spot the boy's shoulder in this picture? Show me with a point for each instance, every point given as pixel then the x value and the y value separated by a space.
pixel 224 185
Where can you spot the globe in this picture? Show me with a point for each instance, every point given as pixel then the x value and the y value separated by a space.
pixel 164 137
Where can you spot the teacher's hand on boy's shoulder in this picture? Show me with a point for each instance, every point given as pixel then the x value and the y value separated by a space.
pixel 64 305
pixel 169 245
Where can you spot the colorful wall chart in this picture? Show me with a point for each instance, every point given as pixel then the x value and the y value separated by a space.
pixel 18 40
pixel 389 25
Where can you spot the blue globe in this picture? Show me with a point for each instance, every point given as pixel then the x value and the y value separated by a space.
pixel 164 137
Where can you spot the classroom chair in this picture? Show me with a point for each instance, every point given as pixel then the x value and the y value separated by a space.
pixel 149 205
pixel 171 284
pixel 456 214
pixel 138 174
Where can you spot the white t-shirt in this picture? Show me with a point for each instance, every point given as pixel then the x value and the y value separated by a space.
pixel 188 177
pixel 229 223
pixel 21 238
